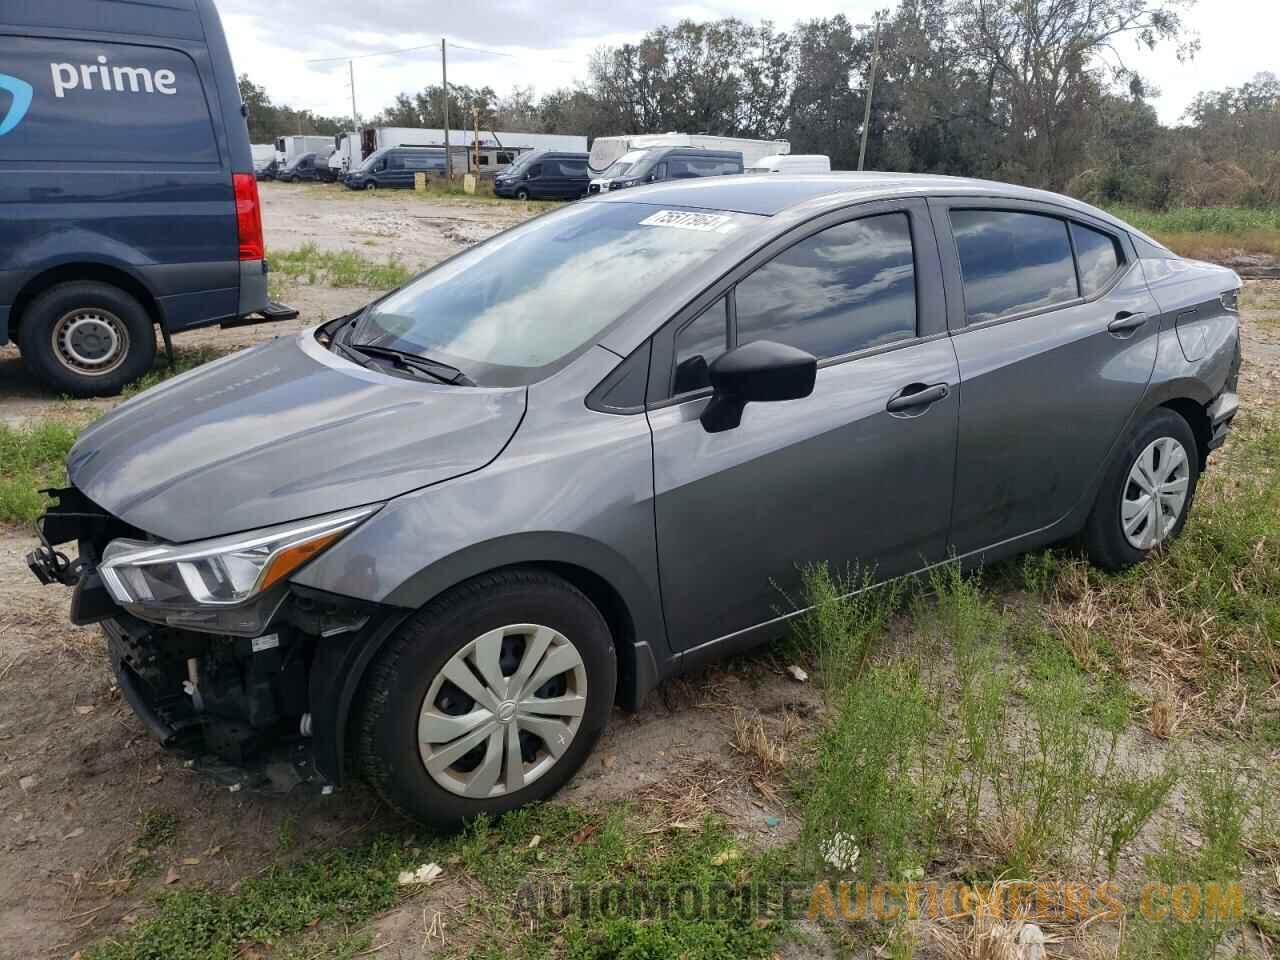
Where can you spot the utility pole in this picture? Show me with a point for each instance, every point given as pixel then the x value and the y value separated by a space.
pixel 871 89
pixel 355 117
pixel 444 78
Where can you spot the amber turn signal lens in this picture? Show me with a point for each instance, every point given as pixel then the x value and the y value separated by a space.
pixel 291 558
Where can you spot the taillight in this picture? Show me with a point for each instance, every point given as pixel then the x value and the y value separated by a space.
pixel 248 216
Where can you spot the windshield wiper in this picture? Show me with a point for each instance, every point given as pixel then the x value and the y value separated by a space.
pixel 434 368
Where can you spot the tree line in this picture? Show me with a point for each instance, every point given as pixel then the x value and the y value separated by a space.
pixel 1028 91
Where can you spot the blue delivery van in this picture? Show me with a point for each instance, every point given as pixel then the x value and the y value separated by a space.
pixel 127 188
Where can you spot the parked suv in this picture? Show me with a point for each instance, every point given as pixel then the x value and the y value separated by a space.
pixel 544 175
pixel 666 163
pixel 307 166
pixel 445 534
pixel 395 167
pixel 128 187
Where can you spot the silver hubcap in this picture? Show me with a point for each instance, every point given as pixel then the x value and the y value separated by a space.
pixel 502 711
pixel 91 342
pixel 1155 494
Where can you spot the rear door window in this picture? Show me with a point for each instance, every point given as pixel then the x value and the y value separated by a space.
pixel 1098 255
pixel 104 103
pixel 1012 262
pixel 850 287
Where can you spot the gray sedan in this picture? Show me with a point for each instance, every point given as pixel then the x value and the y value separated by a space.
pixel 444 535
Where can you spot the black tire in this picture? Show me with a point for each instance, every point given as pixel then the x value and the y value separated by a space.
pixel 46 318
pixel 522 194
pixel 1104 537
pixel 371 185
pixel 402 676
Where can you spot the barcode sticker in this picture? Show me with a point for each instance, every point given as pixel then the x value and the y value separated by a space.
pixel 687 220
pixel 268 642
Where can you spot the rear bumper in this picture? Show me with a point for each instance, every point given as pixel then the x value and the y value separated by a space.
pixel 1221 412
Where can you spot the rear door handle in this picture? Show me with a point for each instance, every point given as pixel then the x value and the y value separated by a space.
pixel 917 395
pixel 1126 322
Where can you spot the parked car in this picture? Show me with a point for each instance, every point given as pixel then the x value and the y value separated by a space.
pixel 307 167
pixel 445 534
pixel 128 188
pixel 666 163
pixel 544 175
pixel 792 163
pixel 267 171
pixel 395 167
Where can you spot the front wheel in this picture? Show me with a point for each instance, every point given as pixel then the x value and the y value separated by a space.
pixel 1146 494
pixel 371 185
pixel 522 194
pixel 489 698
pixel 86 339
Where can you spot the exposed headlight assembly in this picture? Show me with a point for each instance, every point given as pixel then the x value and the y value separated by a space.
pixel 221 572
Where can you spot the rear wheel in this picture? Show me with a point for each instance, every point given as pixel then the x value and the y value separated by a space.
pixel 489 698
pixel 87 339
pixel 1146 494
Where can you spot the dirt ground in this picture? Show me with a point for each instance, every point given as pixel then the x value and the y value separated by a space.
pixel 82 787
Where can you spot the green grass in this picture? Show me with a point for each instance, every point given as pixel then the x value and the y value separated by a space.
pixel 315 905
pixel 1228 220
pixel 1209 233
pixel 310 265
pixel 32 458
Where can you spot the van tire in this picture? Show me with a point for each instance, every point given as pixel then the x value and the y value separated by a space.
pixel 371 185
pixel 407 671
pixel 522 194
pixel 107 318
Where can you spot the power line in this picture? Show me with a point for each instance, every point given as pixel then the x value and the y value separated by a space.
pixel 431 47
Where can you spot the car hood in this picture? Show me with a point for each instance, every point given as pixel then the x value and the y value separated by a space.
pixel 279 432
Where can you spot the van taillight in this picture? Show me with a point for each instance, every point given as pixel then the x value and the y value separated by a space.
pixel 248 216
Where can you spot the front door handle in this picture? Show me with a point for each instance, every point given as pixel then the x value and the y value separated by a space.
pixel 1126 322
pixel 917 395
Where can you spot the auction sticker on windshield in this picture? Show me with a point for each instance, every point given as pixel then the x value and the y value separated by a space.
pixel 687 220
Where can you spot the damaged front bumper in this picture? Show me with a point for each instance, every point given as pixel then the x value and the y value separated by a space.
pixel 265 712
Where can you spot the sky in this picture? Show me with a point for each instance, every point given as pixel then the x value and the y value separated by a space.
pixel 508 43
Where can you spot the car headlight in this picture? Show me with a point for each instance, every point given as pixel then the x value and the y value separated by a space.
pixel 219 572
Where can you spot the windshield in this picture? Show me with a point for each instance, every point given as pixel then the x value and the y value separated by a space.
pixel 297 160
pixel 506 310
pixel 522 162
pixel 624 163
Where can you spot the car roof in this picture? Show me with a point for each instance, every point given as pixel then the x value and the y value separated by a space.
pixel 771 194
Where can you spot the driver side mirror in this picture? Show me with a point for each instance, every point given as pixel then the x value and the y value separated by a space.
pixel 760 372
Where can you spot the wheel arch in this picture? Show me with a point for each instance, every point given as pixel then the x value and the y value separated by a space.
pixel 92 271
pixel 634 620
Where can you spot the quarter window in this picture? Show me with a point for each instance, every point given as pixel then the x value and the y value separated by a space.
pixel 1098 256
pixel 850 287
pixel 1012 262
pixel 697 346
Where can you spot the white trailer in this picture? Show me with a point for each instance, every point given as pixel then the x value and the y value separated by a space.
pixel 792 163
pixel 605 150
pixel 295 146
pixel 353 148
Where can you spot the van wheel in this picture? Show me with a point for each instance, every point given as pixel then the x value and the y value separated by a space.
pixel 522 194
pixel 87 339
pixel 1146 494
pixel 371 185
pixel 489 698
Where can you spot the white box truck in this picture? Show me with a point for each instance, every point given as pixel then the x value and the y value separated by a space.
pixel 295 146
pixel 605 150
pixel 263 154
